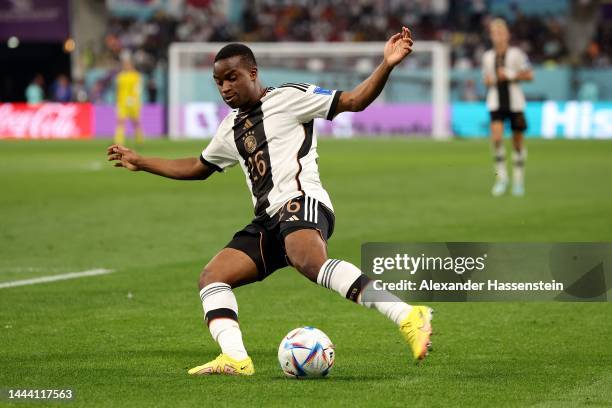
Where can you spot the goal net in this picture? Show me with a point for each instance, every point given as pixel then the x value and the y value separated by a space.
pixel 415 100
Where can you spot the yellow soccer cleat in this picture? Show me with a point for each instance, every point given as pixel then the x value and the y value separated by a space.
pixel 416 329
pixel 225 365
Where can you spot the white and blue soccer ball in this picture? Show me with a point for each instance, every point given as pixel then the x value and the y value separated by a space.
pixel 306 352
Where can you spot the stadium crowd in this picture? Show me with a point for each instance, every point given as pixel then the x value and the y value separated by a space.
pixel 460 23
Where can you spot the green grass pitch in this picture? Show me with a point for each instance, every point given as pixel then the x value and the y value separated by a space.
pixel 64 209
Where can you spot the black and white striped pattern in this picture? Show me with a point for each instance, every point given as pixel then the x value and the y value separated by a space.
pixel 328 271
pixel 214 289
pixel 300 86
pixel 311 209
pixel 261 184
pixel 282 163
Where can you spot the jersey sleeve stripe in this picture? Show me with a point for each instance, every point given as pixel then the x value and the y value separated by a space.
pixel 300 84
pixel 301 88
pixel 334 105
pixel 209 164
pixel 293 86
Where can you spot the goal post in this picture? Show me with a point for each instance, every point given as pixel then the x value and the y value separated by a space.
pixel 422 79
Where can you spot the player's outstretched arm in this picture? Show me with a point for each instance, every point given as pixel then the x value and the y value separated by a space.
pixel 526 75
pixel 190 168
pixel 523 76
pixel 396 49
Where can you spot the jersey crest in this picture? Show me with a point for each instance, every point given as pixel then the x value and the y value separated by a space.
pixel 250 143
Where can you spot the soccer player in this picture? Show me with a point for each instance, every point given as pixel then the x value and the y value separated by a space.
pixel 128 101
pixel 503 68
pixel 270 133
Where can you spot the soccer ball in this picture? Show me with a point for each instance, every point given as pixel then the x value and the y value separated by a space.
pixel 306 352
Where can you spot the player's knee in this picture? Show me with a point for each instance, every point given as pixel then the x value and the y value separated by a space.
pixel 309 267
pixel 207 276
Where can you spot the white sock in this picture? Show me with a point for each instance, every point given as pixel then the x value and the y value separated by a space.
pixel 518 168
pixel 227 333
pixel 388 304
pixel 500 162
pixel 221 314
pixel 346 279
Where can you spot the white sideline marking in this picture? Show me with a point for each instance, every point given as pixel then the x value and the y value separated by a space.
pixel 53 278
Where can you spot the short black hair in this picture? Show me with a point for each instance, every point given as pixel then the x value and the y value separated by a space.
pixel 236 49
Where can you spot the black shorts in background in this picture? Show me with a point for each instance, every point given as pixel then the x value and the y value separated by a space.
pixel 517 119
pixel 263 240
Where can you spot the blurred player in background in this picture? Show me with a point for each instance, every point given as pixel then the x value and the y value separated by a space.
pixel 503 68
pixel 129 86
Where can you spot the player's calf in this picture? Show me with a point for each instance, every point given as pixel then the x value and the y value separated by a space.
pixel 519 156
pixel 348 280
pixel 228 269
pixel 307 252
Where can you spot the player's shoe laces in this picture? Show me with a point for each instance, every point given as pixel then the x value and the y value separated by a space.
pixel 499 188
pixel 518 189
pixel 416 330
pixel 225 365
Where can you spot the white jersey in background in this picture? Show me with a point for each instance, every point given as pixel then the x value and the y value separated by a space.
pixel 505 95
pixel 276 145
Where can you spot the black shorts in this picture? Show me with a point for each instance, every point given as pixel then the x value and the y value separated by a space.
pixel 517 119
pixel 263 240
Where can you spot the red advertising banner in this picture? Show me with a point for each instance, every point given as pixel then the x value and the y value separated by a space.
pixel 46 121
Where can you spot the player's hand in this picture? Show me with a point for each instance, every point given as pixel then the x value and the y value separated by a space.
pixel 398 47
pixel 123 157
pixel 501 74
pixel 489 80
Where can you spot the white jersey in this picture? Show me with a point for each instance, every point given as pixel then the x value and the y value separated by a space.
pixel 505 95
pixel 276 145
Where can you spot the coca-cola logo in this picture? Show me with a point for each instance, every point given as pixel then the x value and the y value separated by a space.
pixel 49 120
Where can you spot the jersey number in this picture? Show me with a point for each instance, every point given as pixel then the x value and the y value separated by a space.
pixel 257 163
pixel 293 206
